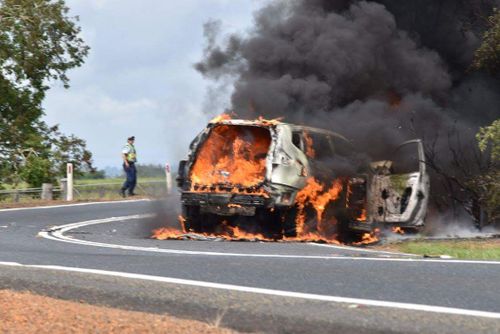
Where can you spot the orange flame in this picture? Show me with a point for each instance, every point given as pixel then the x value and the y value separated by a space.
pixel 369 238
pixel 310 152
pixel 314 194
pixel 182 221
pixel 362 217
pixel 220 118
pixel 394 99
pixel 232 156
pixel 260 120
pixel 236 233
pixel 398 230
pixel 164 233
pixel 269 122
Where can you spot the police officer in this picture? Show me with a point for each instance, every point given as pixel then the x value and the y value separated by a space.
pixel 129 156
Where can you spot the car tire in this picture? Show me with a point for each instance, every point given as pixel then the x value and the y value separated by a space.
pixel 191 214
pixel 288 222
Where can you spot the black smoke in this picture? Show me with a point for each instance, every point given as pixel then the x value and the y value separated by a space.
pixel 378 72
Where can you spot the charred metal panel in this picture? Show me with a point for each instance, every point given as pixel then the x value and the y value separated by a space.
pixel 391 195
pixel 356 197
pixel 195 198
pixel 290 166
pixel 225 210
pixel 183 181
pixel 399 198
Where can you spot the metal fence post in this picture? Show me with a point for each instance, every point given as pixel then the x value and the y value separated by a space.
pixel 64 188
pixel 15 196
pixel 69 177
pixel 47 191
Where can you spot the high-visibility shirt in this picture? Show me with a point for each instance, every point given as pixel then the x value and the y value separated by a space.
pixel 129 151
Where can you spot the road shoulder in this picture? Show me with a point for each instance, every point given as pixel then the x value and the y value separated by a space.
pixel 241 311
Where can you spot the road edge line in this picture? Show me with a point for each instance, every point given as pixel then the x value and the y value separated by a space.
pixel 56 233
pixel 262 291
pixel 75 204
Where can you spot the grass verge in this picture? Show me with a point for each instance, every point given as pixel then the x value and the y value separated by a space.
pixel 116 180
pixel 482 249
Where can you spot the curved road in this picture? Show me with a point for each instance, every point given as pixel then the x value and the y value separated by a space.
pixel 101 253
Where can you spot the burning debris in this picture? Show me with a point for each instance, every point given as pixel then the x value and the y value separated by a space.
pixel 398 230
pixel 230 233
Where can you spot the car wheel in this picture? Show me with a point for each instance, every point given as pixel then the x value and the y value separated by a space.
pixel 288 222
pixel 191 214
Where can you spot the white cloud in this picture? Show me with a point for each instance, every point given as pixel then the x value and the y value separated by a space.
pixel 139 79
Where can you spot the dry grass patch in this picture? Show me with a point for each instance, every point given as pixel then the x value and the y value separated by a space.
pixel 22 312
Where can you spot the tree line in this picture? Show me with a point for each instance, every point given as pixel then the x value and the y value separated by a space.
pixel 39 43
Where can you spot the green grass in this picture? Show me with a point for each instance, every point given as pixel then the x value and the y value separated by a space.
pixel 108 189
pixel 118 180
pixel 24 185
pixel 460 249
pixel 96 189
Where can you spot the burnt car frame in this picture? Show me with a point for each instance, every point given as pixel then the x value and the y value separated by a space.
pixel 377 194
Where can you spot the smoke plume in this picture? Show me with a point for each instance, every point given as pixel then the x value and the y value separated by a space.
pixel 378 72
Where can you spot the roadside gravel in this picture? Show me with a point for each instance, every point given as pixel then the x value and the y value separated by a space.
pixel 22 312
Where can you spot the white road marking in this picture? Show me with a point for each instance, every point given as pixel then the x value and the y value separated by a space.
pixel 57 233
pixel 281 293
pixel 75 204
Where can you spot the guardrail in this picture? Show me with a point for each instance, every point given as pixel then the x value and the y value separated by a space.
pixel 112 190
pixel 17 195
pixel 91 191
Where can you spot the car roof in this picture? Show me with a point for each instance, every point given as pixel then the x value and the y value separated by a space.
pixel 268 123
pixel 310 129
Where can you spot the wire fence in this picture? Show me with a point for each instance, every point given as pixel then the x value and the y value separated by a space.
pixel 92 191
pixel 112 190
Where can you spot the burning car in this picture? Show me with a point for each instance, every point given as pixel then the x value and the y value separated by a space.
pixel 297 182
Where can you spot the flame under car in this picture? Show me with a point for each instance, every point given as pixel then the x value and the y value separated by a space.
pixel 292 181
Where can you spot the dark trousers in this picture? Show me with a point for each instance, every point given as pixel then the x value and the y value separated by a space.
pixel 131 180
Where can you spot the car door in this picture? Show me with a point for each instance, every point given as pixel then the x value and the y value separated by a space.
pixel 290 165
pixel 321 154
pixel 399 188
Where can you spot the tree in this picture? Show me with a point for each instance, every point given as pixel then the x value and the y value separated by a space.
pixel 487 56
pixel 487 184
pixel 489 136
pixel 471 181
pixel 39 43
pixel 64 149
pixel 54 150
pixel 37 171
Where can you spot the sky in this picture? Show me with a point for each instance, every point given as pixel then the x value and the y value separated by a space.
pixel 139 77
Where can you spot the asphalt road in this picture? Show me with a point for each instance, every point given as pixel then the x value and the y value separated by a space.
pixel 251 286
